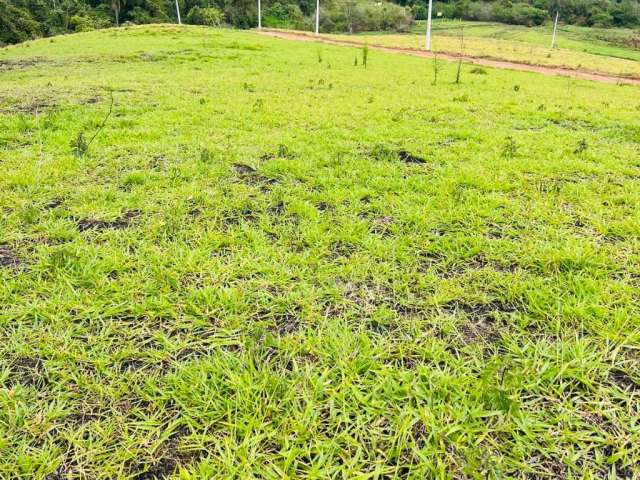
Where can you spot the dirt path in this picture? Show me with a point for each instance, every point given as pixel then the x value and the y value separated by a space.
pixel 511 65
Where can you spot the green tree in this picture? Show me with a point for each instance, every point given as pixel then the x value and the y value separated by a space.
pixel 16 24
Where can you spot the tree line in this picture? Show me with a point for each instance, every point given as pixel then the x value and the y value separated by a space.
pixel 22 20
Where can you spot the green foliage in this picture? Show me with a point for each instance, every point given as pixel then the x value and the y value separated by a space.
pixel 283 15
pixel 420 11
pixel 209 16
pixel 510 147
pixel 365 15
pixel 602 19
pixel 80 23
pixel 79 145
pixel 535 12
pixel 21 20
pixel 519 14
pixel 205 155
pixel 582 146
pixel 16 24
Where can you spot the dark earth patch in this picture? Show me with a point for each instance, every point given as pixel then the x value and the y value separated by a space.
pixel 28 372
pixel 407 157
pixel 323 206
pixel 341 249
pixel 482 331
pixel 408 363
pixel 90 410
pixel 476 262
pixel 479 310
pixel 381 226
pixel 277 209
pixel 194 352
pixel 369 295
pixel 167 458
pixel 551 468
pixel 250 176
pixel 236 217
pixel 53 203
pixel 20 64
pixel 623 380
pixel 384 153
pixel 158 162
pixel 484 320
pixel 133 364
pixel 91 100
pixel 286 323
pixel 118 224
pixel 32 107
pixel 244 170
pixel 8 258
pixel 282 152
pixel 426 260
pixel 419 434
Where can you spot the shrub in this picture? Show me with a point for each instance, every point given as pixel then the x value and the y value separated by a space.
pixel 625 13
pixel 359 16
pixel 520 14
pixel 420 11
pixel 279 15
pixel 209 16
pixel 602 19
pixel 146 11
pixel 79 23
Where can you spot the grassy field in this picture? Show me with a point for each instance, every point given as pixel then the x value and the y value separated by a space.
pixel 608 42
pixel 599 50
pixel 274 263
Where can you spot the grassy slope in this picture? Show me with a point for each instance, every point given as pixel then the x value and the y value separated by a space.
pixel 577 47
pixel 598 41
pixel 335 312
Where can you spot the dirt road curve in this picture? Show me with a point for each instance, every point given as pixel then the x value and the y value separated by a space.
pixel 545 70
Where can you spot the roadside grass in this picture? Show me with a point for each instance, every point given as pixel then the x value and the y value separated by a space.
pixel 596 50
pixel 610 42
pixel 273 263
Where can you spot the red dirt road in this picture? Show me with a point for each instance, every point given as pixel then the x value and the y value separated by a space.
pixel 545 70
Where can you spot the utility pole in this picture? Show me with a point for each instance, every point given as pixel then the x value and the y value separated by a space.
pixel 317 17
pixel 428 45
pixel 178 11
pixel 555 28
pixel 259 15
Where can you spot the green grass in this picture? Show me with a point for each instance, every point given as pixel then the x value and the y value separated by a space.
pixel 592 49
pixel 610 42
pixel 251 273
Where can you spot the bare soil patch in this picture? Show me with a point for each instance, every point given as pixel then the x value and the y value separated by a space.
pixel 9 64
pixel 8 258
pixel 118 224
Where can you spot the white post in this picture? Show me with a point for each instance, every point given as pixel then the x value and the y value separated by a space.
pixel 555 28
pixel 259 15
pixel 178 10
pixel 317 17
pixel 429 26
